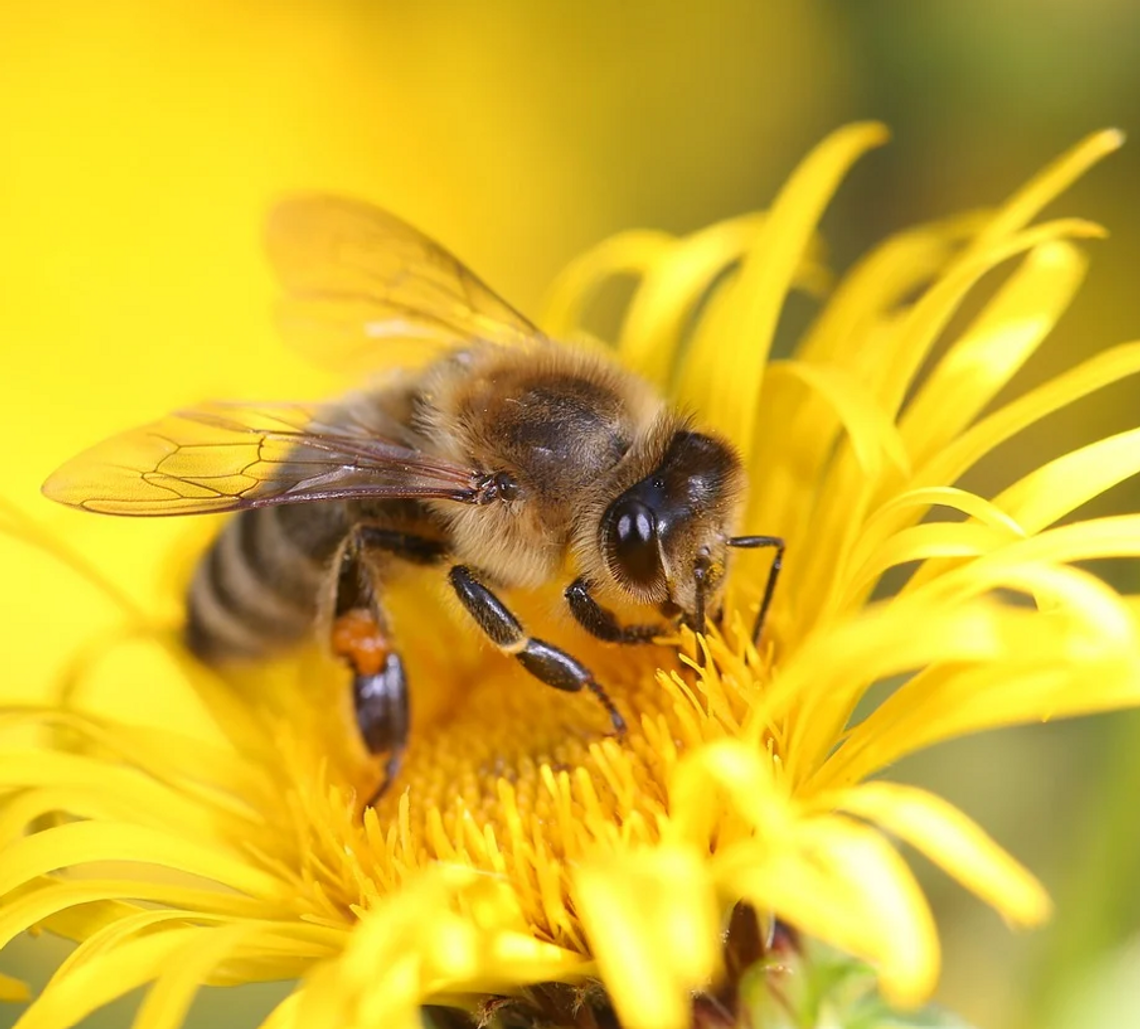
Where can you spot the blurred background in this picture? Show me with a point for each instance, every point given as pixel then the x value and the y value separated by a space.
pixel 140 144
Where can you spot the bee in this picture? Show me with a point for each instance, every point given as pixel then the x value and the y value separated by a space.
pixel 507 456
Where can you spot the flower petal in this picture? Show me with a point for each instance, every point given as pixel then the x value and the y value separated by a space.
pixel 873 436
pixel 981 361
pixel 659 313
pixel 952 841
pixel 627 253
pixel 77 990
pixel 724 369
pixel 1052 181
pixel 447 930
pixel 1020 561
pixel 672 288
pixel 13 990
pixel 930 315
pixel 652 921
pixel 876 287
pixel 1074 659
pixel 844 884
pixel 168 1000
pixel 81 842
pixel 818 687
pixel 796 433
pixel 910 505
pixel 113 791
pixel 46 897
pixel 284 1016
pixel 743 777
pixel 962 453
pixel 922 543
pixel 1059 487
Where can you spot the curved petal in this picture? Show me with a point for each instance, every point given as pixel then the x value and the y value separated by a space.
pixel 998 342
pixel 1059 487
pixel 47 897
pixel 952 841
pixel 168 1001
pixel 1063 668
pixel 962 453
pixel 82 842
pixel 922 543
pixel 1049 183
pixel 818 687
pixel 912 504
pixel 74 993
pixel 628 253
pixel 843 883
pixel 932 312
pixel 873 436
pixel 735 348
pixel 653 923
pixel 670 289
pixel 14 991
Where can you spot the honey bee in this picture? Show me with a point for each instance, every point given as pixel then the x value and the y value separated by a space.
pixel 507 456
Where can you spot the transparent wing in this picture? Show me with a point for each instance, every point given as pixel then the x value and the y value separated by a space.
pixel 230 457
pixel 358 279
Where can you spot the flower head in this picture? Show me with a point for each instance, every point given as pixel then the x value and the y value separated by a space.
pixel 521 846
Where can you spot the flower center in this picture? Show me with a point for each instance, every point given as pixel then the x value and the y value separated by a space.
pixel 503 773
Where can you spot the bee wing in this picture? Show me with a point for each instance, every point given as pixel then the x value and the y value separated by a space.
pixel 231 457
pixel 358 278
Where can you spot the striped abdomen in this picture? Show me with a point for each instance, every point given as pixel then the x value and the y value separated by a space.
pixel 257 588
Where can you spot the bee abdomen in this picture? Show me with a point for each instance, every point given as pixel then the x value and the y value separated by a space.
pixel 256 590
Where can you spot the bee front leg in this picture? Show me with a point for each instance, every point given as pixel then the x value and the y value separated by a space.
pixel 544 661
pixel 601 622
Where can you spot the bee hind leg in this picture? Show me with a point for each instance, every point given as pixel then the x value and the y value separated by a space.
pixel 381 704
pixel 359 638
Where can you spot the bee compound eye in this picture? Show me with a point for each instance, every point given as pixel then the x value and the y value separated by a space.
pixel 633 541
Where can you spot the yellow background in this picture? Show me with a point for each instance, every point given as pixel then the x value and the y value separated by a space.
pixel 140 144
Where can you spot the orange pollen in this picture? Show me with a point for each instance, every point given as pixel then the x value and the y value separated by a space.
pixel 357 638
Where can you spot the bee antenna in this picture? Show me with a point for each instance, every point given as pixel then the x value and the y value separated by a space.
pixel 753 543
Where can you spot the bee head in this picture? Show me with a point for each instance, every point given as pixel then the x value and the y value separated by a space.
pixel 666 537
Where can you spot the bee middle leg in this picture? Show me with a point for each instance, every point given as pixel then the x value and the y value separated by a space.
pixel 360 639
pixel 543 660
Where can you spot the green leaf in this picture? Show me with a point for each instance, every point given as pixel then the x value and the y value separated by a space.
pixel 817 987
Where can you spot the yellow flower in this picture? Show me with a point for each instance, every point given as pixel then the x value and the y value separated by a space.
pixel 524 847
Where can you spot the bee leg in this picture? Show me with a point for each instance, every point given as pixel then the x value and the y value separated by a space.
pixel 417 550
pixel 544 661
pixel 381 702
pixel 359 638
pixel 600 621
pixel 379 680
